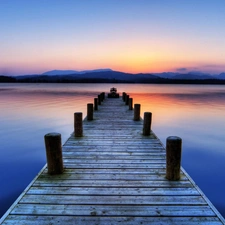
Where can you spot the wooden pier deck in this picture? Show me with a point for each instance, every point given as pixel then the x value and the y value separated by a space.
pixel 113 175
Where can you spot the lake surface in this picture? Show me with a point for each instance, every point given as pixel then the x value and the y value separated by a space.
pixel 196 113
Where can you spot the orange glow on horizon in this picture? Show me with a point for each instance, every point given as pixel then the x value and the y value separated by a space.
pixel 140 63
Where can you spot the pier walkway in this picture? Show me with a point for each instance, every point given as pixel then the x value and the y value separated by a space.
pixel 113 175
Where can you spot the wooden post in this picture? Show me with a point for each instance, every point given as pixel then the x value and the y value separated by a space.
pixel 130 103
pixel 127 99
pixel 147 123
pixel 78 124
pixel 101 96
pixel 137 110
pixel 96 103
pixel 124 96
pixel 90 111
pixel 99 99
pixel 54 153
pixel 173 157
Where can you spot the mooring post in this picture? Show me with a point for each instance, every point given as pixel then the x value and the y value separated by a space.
pixel 130 103
pixel 173 157
pixel 127 99
pixel 137 110
pixel 54 153
pixel 99 99
pixel 101 96
pixel 123 96
pixel 96 103
pixel 78 124
pixel 147 123
pixel 90 111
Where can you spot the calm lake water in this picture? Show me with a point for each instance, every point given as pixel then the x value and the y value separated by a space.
pixel 196 113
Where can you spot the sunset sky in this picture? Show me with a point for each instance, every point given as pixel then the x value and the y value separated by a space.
pixel 124 35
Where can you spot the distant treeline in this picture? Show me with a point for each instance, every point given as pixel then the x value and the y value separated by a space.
pixel 5 79
pixel 48 79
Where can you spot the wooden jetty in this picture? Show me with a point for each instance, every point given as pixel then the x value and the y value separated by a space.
pixel 113 174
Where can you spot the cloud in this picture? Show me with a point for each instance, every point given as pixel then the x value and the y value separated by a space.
pixel 213 68
pixel 181 69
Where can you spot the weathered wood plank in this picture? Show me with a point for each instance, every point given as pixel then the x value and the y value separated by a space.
pixel 113 200
pixel 118 161
pixel 149 147
pixel 114 154
pixel 94 219
pixel 114 148
pixel 112 171
pixel 113 210
pixel 113 157
pixel 112 191
pixel 91 150
pixel 110 183
pixel 110 176
pixel 108 141
pixel 76 165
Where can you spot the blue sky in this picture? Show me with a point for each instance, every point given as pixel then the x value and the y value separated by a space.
pixel 128 35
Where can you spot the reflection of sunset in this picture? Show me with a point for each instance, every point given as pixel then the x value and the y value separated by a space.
pixel 179 108
pixel 168 103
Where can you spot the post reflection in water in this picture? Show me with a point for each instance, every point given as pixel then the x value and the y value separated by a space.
pixel 193 112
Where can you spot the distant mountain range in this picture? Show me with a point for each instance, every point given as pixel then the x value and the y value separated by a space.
pixel 68 72
pixel 110 76
pixel 190 76
pixel 195 75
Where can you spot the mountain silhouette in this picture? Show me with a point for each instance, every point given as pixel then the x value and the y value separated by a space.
pixel 111 76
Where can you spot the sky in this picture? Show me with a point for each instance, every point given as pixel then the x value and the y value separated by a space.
pixel 148 36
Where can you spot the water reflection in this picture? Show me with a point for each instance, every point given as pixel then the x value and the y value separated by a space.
pixel 193 112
